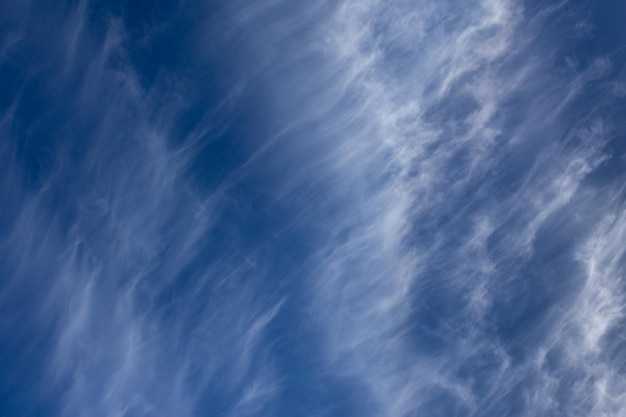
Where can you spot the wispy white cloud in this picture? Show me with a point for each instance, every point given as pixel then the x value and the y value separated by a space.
pixel 411 162
pixel 435 168
pixel 112 243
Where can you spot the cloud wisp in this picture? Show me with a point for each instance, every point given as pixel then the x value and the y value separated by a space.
pixel 114 250
pixel 447 152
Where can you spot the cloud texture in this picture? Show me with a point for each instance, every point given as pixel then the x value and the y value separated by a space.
pixel 363 207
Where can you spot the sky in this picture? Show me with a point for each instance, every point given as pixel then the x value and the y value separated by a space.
pixel 372 208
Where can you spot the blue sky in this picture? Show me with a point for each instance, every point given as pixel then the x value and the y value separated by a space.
pixel 329 208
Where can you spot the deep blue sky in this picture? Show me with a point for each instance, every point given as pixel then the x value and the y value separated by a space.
pixel 333 208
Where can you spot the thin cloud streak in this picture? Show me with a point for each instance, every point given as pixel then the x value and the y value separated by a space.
pixel 111 247
pixel 399 169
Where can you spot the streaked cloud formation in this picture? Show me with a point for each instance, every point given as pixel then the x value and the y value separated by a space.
pixel 368 208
